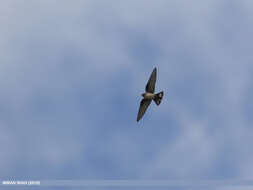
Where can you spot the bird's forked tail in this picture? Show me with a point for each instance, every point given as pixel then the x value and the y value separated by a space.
pixel 158 98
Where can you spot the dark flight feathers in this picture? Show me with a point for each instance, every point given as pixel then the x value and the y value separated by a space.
pixel 143 107
pixel 150 87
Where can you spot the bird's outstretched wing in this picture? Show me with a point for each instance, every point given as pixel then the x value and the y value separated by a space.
pixel 143 107
pixel 150 87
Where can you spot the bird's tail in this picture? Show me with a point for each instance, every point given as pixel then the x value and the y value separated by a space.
pixel 158 98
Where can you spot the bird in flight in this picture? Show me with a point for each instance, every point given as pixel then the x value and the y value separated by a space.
pixel 149 95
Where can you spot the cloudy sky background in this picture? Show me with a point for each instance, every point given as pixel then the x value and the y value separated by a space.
pixel 71 76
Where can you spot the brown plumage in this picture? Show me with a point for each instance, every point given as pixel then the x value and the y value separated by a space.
pixel 149 95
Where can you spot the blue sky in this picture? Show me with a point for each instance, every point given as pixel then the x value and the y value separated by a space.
pixel 72 73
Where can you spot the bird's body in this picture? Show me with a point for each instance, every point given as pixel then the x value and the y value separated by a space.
pixel 149 95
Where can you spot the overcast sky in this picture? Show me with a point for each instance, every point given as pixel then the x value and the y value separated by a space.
pixel 72 74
